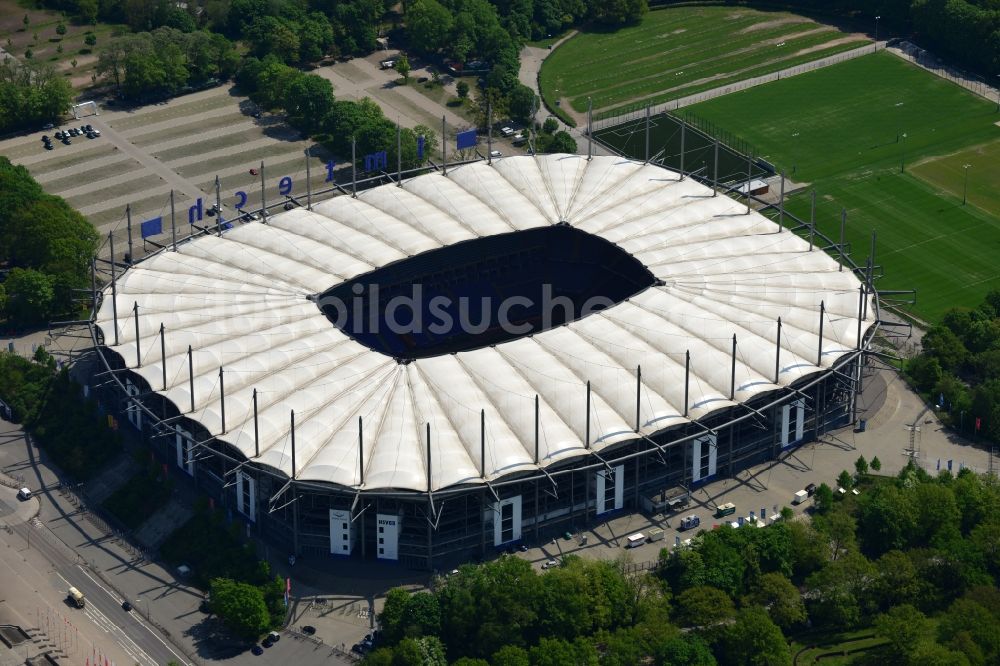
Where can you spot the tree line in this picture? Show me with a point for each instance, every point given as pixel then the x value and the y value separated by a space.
pixel 913 557
pixel 31 94
pixel 959 368
pixel 45 246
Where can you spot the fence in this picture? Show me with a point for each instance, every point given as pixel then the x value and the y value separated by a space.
pixel 927 60
pixel 620 115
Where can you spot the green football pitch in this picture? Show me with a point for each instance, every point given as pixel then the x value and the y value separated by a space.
pixel 679 51
pixel 887 141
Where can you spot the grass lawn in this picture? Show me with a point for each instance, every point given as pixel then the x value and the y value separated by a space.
pixel 828 645
pixel 678 51
pixel 847 130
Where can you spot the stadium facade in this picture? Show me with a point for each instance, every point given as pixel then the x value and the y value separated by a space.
pixel 263 361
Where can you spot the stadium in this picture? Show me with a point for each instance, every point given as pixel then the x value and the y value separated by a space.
pixel 600 330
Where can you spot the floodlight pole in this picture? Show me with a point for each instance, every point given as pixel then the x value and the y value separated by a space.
pixel 163 354
pixel 399 155
pixel 135 315
pixel 256 428
pixel 647 133
pixel 354 167
pixel 862 308
pixel 732 377
pixel 781 204
pixel 173 221
pixel 683 149
pixel 822 316
pixel 429 472
pixel 687 379
pixel 489 132
pixel 309 190
pixel 292 417
pixel 191 376
pixel 114 285
pixel 870 287
pixel 590 127
pixel 444 150
pixel 263 196
pixel 218 207
pixel 128 226
pixel 843 228
pixel 749 171
pixel 93 283
pixel 812 220
pixel 715 171
pixel 777 354
pixel 587 432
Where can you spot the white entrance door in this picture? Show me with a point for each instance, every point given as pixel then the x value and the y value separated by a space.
pixel 610 489
pixel 704 456
pixel 341 532
pixel 132 411
pixel 185 455
pixel 388 536
pixel 246 495
pixel 787 416
pixel 507 520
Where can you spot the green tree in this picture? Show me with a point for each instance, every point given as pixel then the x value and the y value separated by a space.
pixel 403 67
pixel 29 54
pixel 90 39
pixel 982 626
pixel 561 142
pixel 861 467
pixel 557 652
pixel 523 103
pixel 241 606
pixel 896 580
pixel 704 607
pixel 308 100
pixel 837 593
pixel 87 11
pixel 845 480
pixel 393 611
pixel 887 520
pixel 30 296
pixel 462 89
pixel 876 464
pixel 428 24
pixel 823 499
pixel 925 371
pixel 26 21
pixel 60 28
pixel 755 640
pixel 685 650
pixel 550 125
pixel 510 655
pixel 781 599
pixel 904 627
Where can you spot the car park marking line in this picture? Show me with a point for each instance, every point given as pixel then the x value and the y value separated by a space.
pixel 142 624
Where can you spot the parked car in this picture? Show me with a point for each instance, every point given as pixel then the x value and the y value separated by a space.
pixel 24 494
pixel 507 131
pixel 387 64
pixel 496 153
pixel 810 489
pixel 257 650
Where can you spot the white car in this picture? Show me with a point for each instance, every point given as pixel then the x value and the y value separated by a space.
pixel 387 64
pixel 551 564
pixel 496 153
pixel 507 131
pixel 23 494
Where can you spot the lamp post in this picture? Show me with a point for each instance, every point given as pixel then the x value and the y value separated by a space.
pixel 876 33
pixel 902 152
pixel 965 186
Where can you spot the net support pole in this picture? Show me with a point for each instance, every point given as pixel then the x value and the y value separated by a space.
pixel 482 443
pixel 587 432
pixel 777 354
pixel 749 172
pixel 715 171
pixel 173 222
pixel 128 227
pixel 114 285
pixel 191 376
pixel 222 399
pixel 292 420
pixel 361 452
pixel 537 421
pixel 429 468
pixel 870 287
pixel 843 228
pixel 781 204
pixel 309 189
pixel 590 129
pixel 732 376
pixel 822 317
pixel 687 379
pixel 256 427
pixel 638 395
pixel 683 147
pixel 489 132
pixel 263 195
pixel 354 167
pixel 444 146
pixel 93 283
pixel 812 219
pixel 163 354
pixel 135 316
pixel 399 155
pixel 647 133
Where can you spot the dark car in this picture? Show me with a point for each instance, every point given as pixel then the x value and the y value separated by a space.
pixel 308 630
pixel 126 606
pixel 59 134
pixel 45 137
pixel 267 642
pixel 257 650
pixel 48 146
pixel 66 140
pixel 48 126
pixel 810 489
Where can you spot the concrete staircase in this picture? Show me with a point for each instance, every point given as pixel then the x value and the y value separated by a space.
pixel 163 522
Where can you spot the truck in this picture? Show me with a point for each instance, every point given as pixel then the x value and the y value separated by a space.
pixel 655 534
pixel 689 523
pixel 635 540
pixel 800 497
pixel 726 509
pixel 76 597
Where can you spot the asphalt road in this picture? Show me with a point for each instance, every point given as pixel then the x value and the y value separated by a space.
pixel 134 636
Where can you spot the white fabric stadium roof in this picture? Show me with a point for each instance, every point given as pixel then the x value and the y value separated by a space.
pixel 240 302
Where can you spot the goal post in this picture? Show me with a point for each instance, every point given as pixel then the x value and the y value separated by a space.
pixel 84 109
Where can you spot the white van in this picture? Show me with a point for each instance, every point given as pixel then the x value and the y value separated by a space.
pixel 635 540
pixel 76 596
pixel 23 494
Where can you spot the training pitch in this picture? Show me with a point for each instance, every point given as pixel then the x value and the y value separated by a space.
pixel 887 141
pixel 679 51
